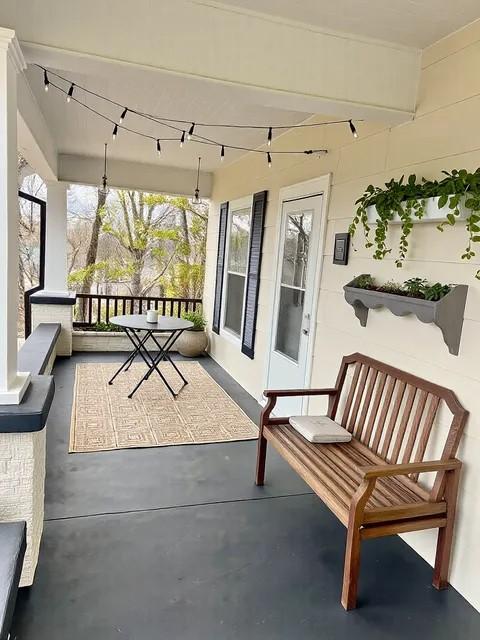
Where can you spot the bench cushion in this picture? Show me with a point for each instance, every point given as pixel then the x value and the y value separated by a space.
pixel 333 472
pixel 12 551
pixel 320 429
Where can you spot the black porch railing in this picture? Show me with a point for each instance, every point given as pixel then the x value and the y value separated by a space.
pixel 92 309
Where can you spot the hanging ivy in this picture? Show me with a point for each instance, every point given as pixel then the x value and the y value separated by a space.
pixel 407 199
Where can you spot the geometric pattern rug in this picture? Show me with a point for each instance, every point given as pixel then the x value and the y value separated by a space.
pixel 104 418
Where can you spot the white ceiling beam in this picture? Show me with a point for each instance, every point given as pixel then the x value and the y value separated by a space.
pixel 293 66
pixel 123 174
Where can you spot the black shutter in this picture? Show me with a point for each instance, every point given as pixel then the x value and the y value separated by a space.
pixel 222 237
pixel 253 273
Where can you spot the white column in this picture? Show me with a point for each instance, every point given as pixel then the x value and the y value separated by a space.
pixel 56 238
pixel 12 383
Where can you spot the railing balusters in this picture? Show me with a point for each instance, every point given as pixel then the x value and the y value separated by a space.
pixel 92 307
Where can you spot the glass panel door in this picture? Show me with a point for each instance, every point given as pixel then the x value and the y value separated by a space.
pixel 298 228
pixel 298 251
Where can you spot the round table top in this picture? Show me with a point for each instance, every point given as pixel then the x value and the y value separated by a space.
pixel 137 321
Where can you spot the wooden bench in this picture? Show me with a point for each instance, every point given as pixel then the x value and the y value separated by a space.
pixel 371 483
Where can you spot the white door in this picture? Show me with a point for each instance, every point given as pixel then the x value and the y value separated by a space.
pixel 293 316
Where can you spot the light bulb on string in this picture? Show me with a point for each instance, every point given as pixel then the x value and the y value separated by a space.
pixel 269 137
pixel 115 131
pixel 70 92
pixel 352 129
pixel 122 117
pixel 182 139
pixel 159 149
pixel 269 160
pixel 222 153
pixel 46 81
pixel 190 131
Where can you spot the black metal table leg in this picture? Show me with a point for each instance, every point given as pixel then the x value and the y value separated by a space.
pixel 164 355
pixel 133 354
pixel 151 365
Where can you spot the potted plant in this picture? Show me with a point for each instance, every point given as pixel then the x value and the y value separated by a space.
pixel 453 200
pixel 440 304
pixel 193 342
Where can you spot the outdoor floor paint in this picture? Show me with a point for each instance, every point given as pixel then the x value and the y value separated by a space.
pixel 178 543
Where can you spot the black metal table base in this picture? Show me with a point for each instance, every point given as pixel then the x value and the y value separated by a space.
pixel 152 360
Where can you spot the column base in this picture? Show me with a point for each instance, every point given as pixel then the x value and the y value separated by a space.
pixel 49 306
pixel 16 391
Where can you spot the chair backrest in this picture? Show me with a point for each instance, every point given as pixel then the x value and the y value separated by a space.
pixel 393 412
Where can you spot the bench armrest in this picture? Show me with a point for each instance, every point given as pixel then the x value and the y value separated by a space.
pixel 282 393
pixel 379 470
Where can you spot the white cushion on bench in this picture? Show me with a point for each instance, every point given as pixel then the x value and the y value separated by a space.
pixel 320 429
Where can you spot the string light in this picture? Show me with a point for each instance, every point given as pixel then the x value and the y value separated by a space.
pixel 70 92
pixel 159 149
pixel 269 137
pixel 196 199
pixel 104 188
pixel 46 81
pixel 122 117
pixel 269 160
pixel 222 153
pixel 352 129
pixel 199 139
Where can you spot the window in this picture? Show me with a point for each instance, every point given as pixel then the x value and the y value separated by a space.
pixel 238 241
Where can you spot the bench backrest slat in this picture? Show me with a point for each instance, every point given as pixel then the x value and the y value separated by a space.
pixel 394 412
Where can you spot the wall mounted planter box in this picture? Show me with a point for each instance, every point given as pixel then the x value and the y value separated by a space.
pixel 432 213
pixel 447 313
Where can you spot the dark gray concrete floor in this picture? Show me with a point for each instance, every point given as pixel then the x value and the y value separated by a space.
pixel 178 543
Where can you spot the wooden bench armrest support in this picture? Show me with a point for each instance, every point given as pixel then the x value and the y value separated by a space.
pixel 283 393
pixel 379 471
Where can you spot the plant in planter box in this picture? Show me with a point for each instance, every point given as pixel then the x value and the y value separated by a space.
pixel 458 190
pixel 193 342
pixel 441 304
pixel 415 287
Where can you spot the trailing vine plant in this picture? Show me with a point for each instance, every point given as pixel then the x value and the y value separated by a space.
pixel 407 200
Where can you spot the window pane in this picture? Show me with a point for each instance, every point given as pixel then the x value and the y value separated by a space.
pixel 234 302
pixel 238 244
pixel 295 252
pixel 289 323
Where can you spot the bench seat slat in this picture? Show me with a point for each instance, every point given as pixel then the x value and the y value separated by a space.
pixel 333 472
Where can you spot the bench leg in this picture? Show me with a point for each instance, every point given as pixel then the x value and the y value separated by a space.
pixel 261 456
pixel 351 569
pixel 445 534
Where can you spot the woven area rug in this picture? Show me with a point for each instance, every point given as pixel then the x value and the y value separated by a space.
pixel 104 418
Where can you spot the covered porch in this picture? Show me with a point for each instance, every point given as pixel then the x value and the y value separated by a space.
pixel 295 152
pixel 179 541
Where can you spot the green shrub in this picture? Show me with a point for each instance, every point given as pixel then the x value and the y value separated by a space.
pixel 197 318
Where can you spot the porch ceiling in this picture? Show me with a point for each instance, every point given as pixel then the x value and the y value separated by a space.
pixel 209 61
pixel 416 23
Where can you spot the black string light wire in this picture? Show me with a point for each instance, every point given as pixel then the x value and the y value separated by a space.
pixel 193 126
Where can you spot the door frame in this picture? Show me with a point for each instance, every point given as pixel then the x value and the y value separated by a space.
pixel 315 187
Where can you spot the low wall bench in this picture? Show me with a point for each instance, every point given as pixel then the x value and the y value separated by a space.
pixel 372 482
pixel 22 453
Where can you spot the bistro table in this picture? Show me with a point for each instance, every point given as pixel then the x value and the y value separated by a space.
pixel 139 332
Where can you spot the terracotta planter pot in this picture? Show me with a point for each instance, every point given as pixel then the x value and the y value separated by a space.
pixel 192 343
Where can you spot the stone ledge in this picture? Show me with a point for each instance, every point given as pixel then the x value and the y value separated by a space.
pixel 32 413
pixel 46 297
pixel 35 352
pixel 12 552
